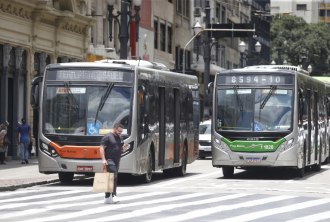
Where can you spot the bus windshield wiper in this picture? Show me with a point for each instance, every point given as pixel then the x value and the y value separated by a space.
pixel 71 96
pixel 103 99
pixel 270 93
pixel 238 99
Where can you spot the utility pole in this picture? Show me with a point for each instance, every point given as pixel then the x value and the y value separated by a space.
pixel 207 59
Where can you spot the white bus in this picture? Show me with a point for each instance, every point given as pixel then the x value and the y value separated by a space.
pixel 269 116
pixel 80 102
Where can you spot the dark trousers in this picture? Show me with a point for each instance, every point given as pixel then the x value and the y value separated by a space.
pixel 2 157
pixel 113 167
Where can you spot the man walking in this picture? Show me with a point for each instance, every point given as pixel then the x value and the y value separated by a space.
pixel 24 137
pixel 110 150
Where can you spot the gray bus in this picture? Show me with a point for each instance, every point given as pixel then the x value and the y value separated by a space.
pixel 269 116
pixel 80 102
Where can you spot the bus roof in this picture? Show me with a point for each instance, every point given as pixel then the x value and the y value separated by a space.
pixel 120 63
pixel 279 67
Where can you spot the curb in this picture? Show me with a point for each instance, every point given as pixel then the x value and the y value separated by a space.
pixel 26 185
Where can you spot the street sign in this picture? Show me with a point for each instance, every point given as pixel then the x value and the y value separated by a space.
pixel 232 30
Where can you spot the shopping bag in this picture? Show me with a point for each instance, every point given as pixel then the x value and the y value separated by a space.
pixel 103 182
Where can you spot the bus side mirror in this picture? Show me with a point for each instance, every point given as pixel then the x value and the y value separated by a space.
pixel 34 93
pixel 210 87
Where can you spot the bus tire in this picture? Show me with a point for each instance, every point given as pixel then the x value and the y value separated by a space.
pixel 148 175
pixel 182 170
pixel 228 171
pixel 66 177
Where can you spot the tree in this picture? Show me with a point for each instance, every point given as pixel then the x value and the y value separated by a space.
pixel 299 43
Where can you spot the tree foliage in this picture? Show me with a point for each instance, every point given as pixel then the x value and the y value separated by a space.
pixel 299 43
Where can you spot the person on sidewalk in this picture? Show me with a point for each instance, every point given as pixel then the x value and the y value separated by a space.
pixel 24 137
pixel 111 148
pixel 3 145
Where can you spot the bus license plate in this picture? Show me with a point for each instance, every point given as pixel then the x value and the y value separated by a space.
pixel 253 159
pixel 84 168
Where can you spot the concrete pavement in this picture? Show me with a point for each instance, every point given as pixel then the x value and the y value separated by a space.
pixel 15 175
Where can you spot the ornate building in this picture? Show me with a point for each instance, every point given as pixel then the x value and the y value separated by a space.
pixel 33 34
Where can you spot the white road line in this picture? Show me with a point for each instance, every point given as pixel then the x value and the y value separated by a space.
pixel 157 209
pixel 91 210
pixel 190 216
pixel 16 192
pixel 40 196
pixel 265 213
pixel 50 201
pixel 313 217
pixel 183 179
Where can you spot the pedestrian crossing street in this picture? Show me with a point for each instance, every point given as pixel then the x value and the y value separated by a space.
pixel 47 204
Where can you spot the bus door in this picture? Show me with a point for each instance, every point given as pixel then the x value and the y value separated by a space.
pixel 162 126
pixel 316 124
pixel 309 126
pixel 176 125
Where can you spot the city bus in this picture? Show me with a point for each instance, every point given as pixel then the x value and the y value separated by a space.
pixel 269 116
pixel 78 103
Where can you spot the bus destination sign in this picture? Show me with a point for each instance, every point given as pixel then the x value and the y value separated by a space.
pixel 90 75
pixel 254 79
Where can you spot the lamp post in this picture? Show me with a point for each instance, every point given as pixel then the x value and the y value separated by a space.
pixel 126 17
pixel 241 49
pixel 198 30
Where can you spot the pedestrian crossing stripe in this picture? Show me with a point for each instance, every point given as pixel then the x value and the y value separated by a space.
pixel 144 206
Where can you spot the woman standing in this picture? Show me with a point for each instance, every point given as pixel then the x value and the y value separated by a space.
pixel 3 146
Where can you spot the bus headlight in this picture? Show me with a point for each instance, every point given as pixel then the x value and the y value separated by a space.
pixel 220 145
pixel 286 145
pixel 48 150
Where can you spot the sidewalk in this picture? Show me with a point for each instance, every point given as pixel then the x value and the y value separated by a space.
pixel 15 175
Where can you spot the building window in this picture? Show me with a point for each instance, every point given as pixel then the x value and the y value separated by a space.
pixel 183 7
pixel 223 15
pixel 301 7
pixel 169 38
pixel 163 35
pixel 217 13
pixel 156 34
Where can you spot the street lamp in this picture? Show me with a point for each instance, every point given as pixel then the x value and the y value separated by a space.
pixel 126 17
pixel 241 49
pixel 257 47
pixel 309 69
pixel 198 30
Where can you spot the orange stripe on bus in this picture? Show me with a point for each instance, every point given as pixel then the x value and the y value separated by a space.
pixel 77 152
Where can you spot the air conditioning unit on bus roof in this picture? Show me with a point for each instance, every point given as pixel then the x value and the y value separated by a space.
pixel 131 62
pixel 285 67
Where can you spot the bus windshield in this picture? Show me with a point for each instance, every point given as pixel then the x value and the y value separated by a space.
pixel 85 110
pixel 254 109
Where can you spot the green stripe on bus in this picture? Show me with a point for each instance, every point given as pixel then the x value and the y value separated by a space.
pixel 253 146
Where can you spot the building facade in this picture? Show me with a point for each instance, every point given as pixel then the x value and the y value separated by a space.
pixel 33 34
pixel 38 32
pixel 306 9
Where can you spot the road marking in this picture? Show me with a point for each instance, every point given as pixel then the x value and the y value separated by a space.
pixel 220 208
pixel 184 179
pixel 313 217
pixel 157 209
pixel 266 213
pixel 40 196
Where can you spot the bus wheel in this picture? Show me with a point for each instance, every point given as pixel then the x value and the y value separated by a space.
pixel 181 170
pixel 148 175
pixel 228 171
pixel 65 177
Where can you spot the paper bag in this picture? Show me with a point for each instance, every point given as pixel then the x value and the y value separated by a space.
pixel 103 182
